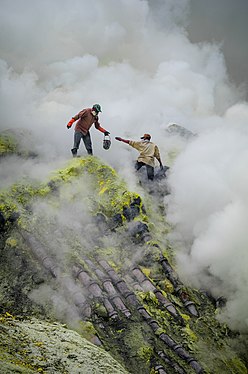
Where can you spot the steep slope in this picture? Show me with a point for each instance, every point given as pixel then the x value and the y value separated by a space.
pixel 84 251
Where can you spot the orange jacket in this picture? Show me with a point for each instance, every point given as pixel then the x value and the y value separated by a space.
pixel 85 120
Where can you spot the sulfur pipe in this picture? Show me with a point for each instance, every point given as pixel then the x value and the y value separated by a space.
pixel 189 305
pixel 195 365
pixel 144 314
pixel 75 294
pixel 41 254
pixel 109 288
pixel 152 323
pixel 94 289
pixel 159 369
pixel 181 352
pixel 116 298
pixel 109 270
pixel 120 284
pixel 171 275
pixel 135 285
pixel 178 369
pixel 169 272
pixel 148 286
pixel 170 342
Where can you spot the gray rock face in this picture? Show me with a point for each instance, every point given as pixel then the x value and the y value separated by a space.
pixel 175 129
pixel 43 347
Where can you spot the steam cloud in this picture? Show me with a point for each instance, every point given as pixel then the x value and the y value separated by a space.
pixel 135 59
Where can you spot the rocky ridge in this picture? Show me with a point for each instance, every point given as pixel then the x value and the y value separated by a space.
pixel 82 250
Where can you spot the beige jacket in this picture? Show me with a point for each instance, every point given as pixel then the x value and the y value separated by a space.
pixel 148 151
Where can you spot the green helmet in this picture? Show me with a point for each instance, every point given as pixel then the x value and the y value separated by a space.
pixel 97 108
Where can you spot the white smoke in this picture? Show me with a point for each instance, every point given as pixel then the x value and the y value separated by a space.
pixel 134 58
pixel 208 206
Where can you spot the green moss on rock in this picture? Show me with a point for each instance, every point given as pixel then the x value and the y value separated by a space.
pixel 16 142
pixel 8 144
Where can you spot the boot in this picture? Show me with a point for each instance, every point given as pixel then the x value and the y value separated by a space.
pixel 74 152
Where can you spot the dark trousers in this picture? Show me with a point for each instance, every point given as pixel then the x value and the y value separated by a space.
pixel 149 169
pixel 86 139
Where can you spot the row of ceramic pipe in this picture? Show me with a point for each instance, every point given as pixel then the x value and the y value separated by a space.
pixel 131 297
pixel 41 254
pixel 106 282
pixel 110 289
pixel 134 210
pixel 81 303
pixel 171 275
pixel 75 293
pixel 111 302
pixel 147 285
pixel 177 368
pixel 177 348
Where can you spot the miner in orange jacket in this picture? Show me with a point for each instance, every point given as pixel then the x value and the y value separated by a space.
pixel 85 119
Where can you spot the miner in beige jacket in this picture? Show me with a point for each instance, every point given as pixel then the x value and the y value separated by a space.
pixel 148 152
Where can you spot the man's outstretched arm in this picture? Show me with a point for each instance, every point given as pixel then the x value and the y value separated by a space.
pixel 122 140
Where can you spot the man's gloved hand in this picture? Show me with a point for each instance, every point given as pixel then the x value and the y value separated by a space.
pixel 118 138
pixel 69 124
pixel 106 133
